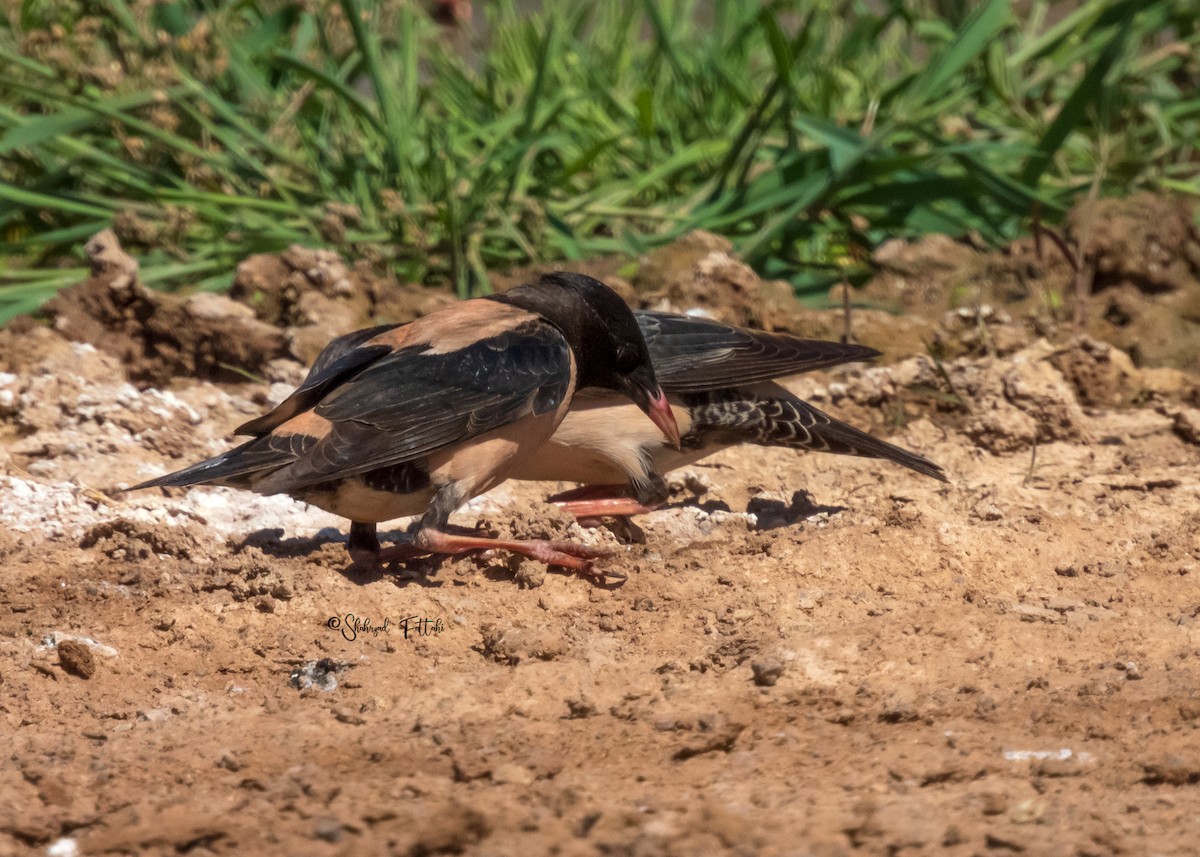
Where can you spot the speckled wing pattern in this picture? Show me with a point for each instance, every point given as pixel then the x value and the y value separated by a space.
pixel 738 416
pixel 693 354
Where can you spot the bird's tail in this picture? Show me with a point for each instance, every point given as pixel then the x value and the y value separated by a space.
pixel 232 469
pixel 784 420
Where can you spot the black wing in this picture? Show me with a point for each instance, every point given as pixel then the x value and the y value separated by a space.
pixel 241 466
pixel 413 402
pixel 693 354
pixel 341 360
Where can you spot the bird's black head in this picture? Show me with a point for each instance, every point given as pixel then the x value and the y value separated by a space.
pixel 610 351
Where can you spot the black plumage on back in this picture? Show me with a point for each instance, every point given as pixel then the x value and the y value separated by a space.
pixel 338 362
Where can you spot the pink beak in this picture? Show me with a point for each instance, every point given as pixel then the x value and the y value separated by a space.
pixel 661 415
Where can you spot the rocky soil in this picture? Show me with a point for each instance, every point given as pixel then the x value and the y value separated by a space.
pixel 811 654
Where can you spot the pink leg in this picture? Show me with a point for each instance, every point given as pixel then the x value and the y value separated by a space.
pixel 613 507
pixel 400 551
pixel 597 501
pixel 566 554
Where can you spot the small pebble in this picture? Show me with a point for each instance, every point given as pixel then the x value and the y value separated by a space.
pixel 517 775
pixel 767 672
pixel 531 574
pixel 328 829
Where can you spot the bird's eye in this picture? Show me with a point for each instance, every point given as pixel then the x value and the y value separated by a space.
pixel 627 358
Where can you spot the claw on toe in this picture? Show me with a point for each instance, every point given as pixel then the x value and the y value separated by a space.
pixel 585 567
pixel 605 574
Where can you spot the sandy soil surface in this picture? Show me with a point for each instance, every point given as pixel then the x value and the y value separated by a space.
pixel 811 654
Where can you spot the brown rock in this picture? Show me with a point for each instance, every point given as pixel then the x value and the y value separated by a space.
pixel 76 658
pixel 767 671
pixel 1187 425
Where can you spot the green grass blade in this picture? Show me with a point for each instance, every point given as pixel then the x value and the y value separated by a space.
pixel 1090 89
pixel 977 33
pixel 32 130
pixel 64 204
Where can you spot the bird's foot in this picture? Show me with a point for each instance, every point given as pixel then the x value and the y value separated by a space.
pixel 367 555
pixel 402 551
pixel 613 507
pixel 577 557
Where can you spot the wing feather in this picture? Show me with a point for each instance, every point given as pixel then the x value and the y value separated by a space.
pixel 693 354
pixel 416 401
pixel 339 361
pixel 774 417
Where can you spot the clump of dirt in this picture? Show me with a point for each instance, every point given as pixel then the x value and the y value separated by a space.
pixel 1187 425
pixel 1155 329
pixel 1034 396
pixel 1031 403
pixel 283 307
pixel 1134 262
pixel 1103 376
pixel 24 343
pixel 133 540
pixel 978 331
pixel 250 575
pixel 156 336
pixel 1146 240
pixel 700 271
pixel 76 658
pixel 317 296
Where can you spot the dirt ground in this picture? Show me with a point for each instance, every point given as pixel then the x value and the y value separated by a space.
pixel 811 654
